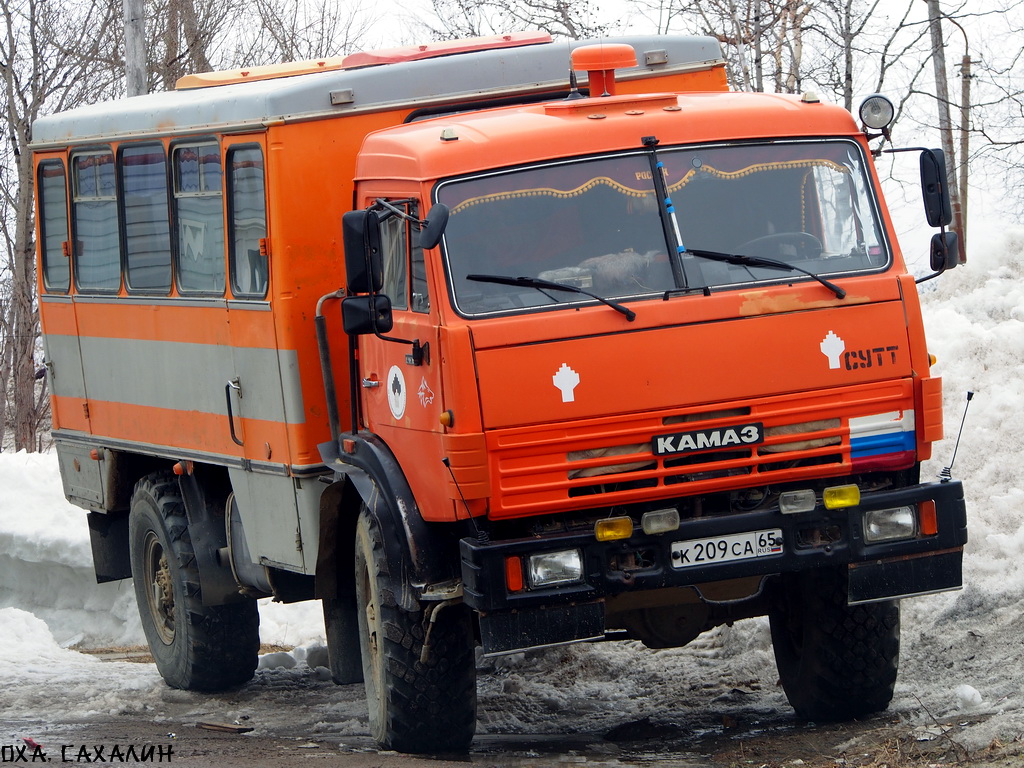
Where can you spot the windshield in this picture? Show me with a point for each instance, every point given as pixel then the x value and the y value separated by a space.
pixel 595 224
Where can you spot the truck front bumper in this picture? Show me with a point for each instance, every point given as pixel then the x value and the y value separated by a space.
pixel 563 612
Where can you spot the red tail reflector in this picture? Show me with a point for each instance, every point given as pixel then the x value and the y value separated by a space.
pixel 928 521
pixel 514 574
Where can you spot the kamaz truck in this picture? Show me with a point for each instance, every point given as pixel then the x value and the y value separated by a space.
pixel 493 345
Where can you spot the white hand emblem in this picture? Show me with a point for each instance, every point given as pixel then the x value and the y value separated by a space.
pixel 566 380
pixel 832 347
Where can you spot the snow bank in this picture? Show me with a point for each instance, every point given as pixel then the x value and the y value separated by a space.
pixel 46 568
pixel 46 560
pixel 975 322
pixel 40 676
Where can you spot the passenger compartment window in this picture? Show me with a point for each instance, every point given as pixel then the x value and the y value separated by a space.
pixel 53 226
pixel 248 212
pixel 199 218
pixel 147 231
pixel 94 217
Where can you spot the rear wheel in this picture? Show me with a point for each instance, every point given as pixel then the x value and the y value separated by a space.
pixel 836 661
pixel 196 647
pixel 415 704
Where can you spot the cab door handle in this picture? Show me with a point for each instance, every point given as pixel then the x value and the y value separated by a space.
pixel 235 385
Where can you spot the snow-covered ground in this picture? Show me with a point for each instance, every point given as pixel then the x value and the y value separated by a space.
pixel 962 653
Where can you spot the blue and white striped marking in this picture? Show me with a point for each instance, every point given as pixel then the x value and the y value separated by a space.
pixel 882 433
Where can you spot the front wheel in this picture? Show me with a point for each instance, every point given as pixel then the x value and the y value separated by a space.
pixel 417 703
pixel 836 661
pixel 196 647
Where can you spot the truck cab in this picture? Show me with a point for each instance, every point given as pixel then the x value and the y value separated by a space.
pixel 675 375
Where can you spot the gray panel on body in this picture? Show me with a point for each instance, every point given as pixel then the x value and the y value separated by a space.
pixel 179 375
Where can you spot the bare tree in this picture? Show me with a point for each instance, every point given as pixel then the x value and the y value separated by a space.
pixel 665 16
pixel 573 19
pixel 994 125
pixel 187 36
pixel 461 18
pixel 47 51
pixel 298 30
pixel 55 55
pixel 6 332
pixel 763 40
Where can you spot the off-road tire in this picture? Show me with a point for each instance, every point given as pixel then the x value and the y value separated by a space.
pixel 835 661
pixel 196 647
pixel 415 706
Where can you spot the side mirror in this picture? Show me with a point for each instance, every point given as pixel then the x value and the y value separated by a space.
pixel 945 251
pixel 935 188
pixel 361 315
pixel 433 228
pixel 364 266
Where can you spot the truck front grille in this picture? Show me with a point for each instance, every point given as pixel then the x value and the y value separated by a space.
pixel 555 468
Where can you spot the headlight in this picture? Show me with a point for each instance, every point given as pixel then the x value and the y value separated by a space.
pixel 792 502
pixel 841 496
pixel 877 112
pixel 612 528
pixel 889 524
pixel 547 568
pixel 660 521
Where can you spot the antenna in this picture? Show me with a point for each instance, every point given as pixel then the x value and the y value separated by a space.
pixel 481 535
pixel 574 87
pixel 947 474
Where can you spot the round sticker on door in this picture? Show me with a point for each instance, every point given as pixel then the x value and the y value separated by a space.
pixel 396 392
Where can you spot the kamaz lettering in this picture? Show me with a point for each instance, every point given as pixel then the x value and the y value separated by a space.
pixel 708 439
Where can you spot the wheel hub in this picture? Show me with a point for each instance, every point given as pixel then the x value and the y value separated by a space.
pixel 161 593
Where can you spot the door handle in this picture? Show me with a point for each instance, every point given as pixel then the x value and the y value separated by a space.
pixel 235 385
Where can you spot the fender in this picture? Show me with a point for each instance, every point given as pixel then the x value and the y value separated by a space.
pixel 420 551
pixel 207 530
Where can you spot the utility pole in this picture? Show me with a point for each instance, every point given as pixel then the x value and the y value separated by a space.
pixel 758 53
pixel 965 144
pixel 945 123
pixel 135 47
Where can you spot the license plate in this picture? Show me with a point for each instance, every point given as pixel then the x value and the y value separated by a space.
pixel 727 549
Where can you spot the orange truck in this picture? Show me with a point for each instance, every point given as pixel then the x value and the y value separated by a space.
pixel 502 342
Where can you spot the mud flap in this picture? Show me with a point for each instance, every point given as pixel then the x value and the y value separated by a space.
pixel 108 535
pixel 517 630
pixel 922 574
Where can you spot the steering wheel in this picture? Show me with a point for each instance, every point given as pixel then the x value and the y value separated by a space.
pixel 802 245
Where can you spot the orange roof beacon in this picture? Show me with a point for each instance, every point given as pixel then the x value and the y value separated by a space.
pixel 481 351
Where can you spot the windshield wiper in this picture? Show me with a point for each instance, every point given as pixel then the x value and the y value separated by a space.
pixel 541 285
pixel 761 261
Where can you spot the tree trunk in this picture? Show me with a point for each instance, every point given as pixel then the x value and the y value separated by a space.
pixel 25 325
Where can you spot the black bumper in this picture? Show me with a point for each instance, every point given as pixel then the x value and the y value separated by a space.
pixel 878 571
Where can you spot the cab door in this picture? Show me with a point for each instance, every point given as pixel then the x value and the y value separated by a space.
pixel 400 372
